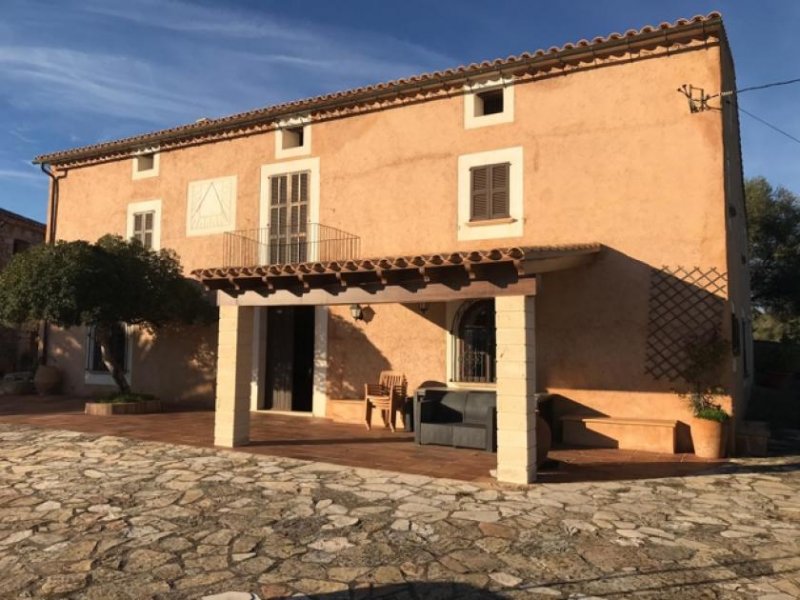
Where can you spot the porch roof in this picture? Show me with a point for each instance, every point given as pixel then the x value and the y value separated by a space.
pixel 420 277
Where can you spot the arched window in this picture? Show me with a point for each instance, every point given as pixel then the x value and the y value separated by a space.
pixel 475 349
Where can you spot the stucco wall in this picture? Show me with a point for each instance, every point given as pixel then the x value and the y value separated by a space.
pixel 177 364
pixel 392 337
pixel 736 231
pixel 610 155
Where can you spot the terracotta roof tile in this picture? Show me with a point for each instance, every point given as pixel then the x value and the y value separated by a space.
pixel 325 101
pixel 435 259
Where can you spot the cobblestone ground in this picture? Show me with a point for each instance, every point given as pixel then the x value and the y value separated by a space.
pixel 83 516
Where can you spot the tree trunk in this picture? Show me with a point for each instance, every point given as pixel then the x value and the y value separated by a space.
pixel 102 333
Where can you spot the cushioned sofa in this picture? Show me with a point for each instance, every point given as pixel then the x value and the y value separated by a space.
pixel 466 419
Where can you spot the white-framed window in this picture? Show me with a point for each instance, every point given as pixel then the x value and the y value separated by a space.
pixel 145 164
pixel 293 138
pixel 211 206
pixel 96 372
pixel 488 103
pixel 295 185
pixel 490 194
pixel 144 223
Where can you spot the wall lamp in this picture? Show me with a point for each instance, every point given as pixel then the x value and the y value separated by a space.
pixel 356 312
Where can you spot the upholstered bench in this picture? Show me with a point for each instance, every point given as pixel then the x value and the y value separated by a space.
pixel 651 435
pixel 461 418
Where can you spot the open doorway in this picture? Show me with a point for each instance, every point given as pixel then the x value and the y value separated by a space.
pixel 290 358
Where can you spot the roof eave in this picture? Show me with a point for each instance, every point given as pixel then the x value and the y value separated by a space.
pixel 707 25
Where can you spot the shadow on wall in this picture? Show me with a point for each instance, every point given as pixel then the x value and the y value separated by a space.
pixel 360 363
pixel 620 325
pixel 180 362
pixel 66 351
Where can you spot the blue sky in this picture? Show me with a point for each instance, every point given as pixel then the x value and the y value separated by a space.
pixel 76 72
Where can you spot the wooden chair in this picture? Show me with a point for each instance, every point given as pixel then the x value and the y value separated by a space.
pixel 387 396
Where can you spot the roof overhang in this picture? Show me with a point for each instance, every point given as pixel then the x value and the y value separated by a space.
pixel 563 60
pixel 418 278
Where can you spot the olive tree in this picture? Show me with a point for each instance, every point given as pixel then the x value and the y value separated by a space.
pixel 100 285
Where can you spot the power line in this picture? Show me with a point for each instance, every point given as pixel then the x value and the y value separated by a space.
pixel 770 125
pixel 756 87
pixel 765 86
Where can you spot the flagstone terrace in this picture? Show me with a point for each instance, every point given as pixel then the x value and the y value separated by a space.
pixel 91 516
pixel 321 440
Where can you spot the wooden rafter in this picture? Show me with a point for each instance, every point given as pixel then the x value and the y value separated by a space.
pixel 450 269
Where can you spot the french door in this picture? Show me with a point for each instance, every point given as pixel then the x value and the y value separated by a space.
pixel 288 218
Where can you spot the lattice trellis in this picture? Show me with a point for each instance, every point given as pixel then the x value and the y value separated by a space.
pixel 682 302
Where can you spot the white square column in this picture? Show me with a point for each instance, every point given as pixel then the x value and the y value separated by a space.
pixel 516 389
pixel 234 372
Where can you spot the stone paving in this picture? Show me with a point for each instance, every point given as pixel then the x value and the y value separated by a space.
pixel 101 517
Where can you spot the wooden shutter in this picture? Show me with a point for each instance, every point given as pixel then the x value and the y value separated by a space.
pixel 303 201
pixel 143 225
pixel 277 218
pixel 489 193
pixel 479 193
pixel 499 191
pixel 137 226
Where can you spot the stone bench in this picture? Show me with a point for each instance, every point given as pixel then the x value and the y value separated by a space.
pixel 650 435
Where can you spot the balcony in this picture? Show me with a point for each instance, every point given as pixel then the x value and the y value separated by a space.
pixel 271 246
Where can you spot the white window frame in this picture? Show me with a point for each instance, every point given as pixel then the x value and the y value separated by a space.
pixel 305 149
pixel 153 206
pixel 509 227
pixel 137 174
pixel 231 226
pixel 101 377
pixel 473 121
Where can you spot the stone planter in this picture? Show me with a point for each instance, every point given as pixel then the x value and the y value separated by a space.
pixel 708 438
pixel 106 409
pixel 47 380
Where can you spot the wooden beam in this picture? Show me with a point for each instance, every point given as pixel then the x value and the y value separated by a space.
pixel 377 294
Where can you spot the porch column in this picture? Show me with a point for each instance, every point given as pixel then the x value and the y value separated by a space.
pixel 235 345
pixel 516 389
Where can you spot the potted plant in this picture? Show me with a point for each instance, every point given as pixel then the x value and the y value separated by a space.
pixel 704 353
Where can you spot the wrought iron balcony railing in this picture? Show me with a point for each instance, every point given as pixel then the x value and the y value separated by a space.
pixel 270 246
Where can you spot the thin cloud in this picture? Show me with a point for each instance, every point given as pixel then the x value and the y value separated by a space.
pixel 20 136
pixel 194 18
pixel 96 83
pixel 20 174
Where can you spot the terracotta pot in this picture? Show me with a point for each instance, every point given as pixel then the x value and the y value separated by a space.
pixel 47 380
pixel 708 438
pixel 544 439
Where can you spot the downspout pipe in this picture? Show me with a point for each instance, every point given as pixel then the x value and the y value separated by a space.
pixel 51 239
pixel 53 203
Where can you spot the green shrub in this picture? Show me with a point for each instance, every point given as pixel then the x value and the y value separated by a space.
pixel 712 413
pixel 117 398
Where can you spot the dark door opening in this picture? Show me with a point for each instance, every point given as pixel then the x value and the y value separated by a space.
pixel 290 358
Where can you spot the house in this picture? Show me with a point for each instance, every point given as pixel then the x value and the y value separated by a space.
pixel 555 221
pixel 17 345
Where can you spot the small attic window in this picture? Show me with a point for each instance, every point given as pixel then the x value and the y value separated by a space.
pixel 293 137
pixel 489 103
pixel 145 165
pixel 146 162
